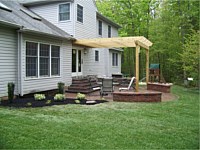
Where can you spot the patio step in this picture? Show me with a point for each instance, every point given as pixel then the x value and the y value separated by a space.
pixel 82 85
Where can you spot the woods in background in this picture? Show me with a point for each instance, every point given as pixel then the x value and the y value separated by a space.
pixel 172 26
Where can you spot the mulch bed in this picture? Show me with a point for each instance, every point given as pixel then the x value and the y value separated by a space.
pixel 31 102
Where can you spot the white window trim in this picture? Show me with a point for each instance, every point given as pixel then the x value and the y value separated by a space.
pixel 70 13
pixel 110 31
pixel 117 60
pixel 101 29
pixel 77 13
pixel 98 56
pixel 38 73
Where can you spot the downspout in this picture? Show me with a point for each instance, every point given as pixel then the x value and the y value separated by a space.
pixel 20 74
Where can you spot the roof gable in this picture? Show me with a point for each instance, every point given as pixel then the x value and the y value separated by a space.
pixel 28 20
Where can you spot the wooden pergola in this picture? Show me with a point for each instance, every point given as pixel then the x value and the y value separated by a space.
pixel 138 41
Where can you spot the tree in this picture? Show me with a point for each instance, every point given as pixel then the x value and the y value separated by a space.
pixel 167 23
pixel 190 56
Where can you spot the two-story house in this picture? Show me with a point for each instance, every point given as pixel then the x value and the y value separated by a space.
pixel 81 19
pixel 36 44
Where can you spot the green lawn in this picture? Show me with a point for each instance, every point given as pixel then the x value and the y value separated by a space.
pixel 166 125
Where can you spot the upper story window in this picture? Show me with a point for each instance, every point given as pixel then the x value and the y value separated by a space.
pixel 96 55
pixel 109 31
pixel 64 12
pixel 100 27
pixel 79 13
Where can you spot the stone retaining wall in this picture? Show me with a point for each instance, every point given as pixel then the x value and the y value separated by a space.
pixel 137 96
pixel 159 87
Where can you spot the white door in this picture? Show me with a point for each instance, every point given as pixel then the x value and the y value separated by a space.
pixel 77 62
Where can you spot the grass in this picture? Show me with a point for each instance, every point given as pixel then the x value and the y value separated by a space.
pixel 166 125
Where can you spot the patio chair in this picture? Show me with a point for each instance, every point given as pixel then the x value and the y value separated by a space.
pixel 129 86
pixel 107 86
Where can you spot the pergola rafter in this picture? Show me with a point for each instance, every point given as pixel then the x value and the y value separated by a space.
pixel 138 41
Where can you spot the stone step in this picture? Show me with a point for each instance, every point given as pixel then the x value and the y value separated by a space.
pixel 81 84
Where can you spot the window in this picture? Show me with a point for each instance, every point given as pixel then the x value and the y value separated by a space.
pixel 109 31
pixel 44 59
pixel 55 60
pixel 100 27
pixel 79 13
pixel 114 59
pixel 64 12
pixel 96 55
pixel 31 59
pixel 41 58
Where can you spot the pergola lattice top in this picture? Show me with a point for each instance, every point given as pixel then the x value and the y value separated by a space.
pixel 115 42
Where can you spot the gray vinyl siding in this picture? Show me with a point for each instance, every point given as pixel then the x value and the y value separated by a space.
pixel 48 83
pixel 8 59
pixel 92 67
pixel 88 27
pixel 51 13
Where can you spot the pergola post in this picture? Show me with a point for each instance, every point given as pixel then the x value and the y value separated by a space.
pixel 137 67
pixel 147 66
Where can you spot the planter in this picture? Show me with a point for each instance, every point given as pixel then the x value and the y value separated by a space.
pixel 161 87
pixel 137 96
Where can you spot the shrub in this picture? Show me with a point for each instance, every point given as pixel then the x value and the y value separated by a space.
pixel 48 102
pixel 61 87
pixel 77 101
pixel 28 104
pixel 39 97
pixel 11 89
pixel 80 96
pixel 59 97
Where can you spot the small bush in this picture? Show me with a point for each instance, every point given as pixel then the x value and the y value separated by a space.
pixel 48 102
pixel 11 89
pixel 80 96
pixel 59 97
pixel 29 104
pixel 77 101
pixel 39 97
pixel 61 88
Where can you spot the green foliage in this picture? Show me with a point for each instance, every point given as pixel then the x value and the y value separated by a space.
pixel 48 102
pixel 61 87
pixel 166 23
pixel 39 97
pixel 80 96
pixel 59 97
pixel 190 56
pixel 28 104
pixel 11 89
pixel 77 101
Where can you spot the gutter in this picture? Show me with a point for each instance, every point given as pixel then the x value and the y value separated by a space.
pixel 20 74
pixel 10 24
pixel 47 34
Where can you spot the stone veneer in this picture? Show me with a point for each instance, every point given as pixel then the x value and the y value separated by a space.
pixel 161 87
pixel 137 96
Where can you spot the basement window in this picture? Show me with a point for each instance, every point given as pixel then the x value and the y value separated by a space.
pixel 4 7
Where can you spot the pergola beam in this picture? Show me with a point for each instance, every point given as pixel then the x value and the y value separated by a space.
pixel 114 42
